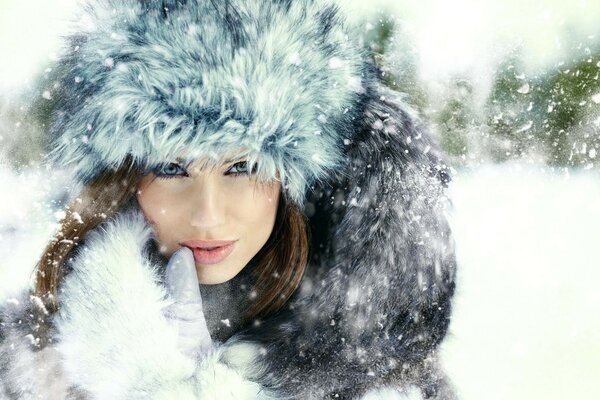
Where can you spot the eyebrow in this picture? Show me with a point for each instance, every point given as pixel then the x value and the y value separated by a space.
pixel 185 162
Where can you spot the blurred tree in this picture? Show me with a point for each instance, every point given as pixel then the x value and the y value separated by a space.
pixel 508 111
pixel 456 120
pixel 569 101
pixel 553 116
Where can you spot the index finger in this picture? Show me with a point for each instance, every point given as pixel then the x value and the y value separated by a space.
pixel 181 278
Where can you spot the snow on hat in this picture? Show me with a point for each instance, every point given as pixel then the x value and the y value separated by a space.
pixel 279 81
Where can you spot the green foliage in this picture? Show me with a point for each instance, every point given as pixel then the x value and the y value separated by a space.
pixel 22 137
pixel 551 114
pixel 567 102
pixel 508 111
pixel 455 119
pixel 554 117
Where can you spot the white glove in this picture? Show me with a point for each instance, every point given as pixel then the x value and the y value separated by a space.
pixel 186 312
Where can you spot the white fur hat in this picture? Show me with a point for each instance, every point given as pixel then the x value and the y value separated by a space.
pixel 280 81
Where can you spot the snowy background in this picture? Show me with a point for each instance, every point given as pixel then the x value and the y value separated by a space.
pixel 511 90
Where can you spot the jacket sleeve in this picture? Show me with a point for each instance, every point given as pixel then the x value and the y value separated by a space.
pixel 376 300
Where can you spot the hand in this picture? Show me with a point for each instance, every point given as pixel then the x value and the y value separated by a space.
pixel 186 312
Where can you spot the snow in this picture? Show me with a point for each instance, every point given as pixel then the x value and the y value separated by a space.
pixel 468 35
pixel 525 127
pixel 28 217
pixel 524 89
pixel 34 27
pixel 391 393
pixel 526 321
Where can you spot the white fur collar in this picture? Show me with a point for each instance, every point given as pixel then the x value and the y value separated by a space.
pixel 112 337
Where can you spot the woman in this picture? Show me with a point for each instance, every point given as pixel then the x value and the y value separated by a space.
pixel 263 125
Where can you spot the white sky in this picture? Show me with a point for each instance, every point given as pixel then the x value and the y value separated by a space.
pixel 29 38
pixel 468 35
pixel 525 322
pixel 451 36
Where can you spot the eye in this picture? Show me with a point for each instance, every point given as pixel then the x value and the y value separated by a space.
pixel 240 168
pixel 169 170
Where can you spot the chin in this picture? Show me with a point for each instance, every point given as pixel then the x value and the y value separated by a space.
pixel 212 279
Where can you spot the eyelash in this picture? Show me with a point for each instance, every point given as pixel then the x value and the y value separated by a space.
pixel 161 175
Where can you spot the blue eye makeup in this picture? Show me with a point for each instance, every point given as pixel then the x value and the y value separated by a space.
pixel 240 168
pixel 174 170
pixel 169 170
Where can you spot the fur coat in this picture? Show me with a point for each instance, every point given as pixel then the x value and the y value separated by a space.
pixel 366 322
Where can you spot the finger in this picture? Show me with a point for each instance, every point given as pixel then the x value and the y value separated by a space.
pixel 194 348
pixel 196 330
pixel 185 311
pixel 194 336
pixel 181 278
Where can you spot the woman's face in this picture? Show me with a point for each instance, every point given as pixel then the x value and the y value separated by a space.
pixel 194 207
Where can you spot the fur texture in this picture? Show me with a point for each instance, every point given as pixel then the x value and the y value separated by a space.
pixel 110 339
pixel 373 306
pixel 277 80
pixel 376 299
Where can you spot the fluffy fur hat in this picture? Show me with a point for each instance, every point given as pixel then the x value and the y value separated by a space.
pixel 279 81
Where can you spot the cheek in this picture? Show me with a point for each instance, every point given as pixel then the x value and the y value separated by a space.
pixel 256 213
pixel 247 200
pixel 160 209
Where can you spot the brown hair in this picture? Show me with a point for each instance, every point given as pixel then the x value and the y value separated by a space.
pixel 280 264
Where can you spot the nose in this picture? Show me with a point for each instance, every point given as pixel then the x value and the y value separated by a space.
pixel 207 208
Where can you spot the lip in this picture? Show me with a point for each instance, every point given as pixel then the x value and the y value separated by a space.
pixel 219 250
pixel 203 244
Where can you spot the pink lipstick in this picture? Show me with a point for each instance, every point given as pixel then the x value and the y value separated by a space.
pixel 210 251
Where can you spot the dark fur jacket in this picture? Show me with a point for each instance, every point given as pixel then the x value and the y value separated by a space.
pixel 366 321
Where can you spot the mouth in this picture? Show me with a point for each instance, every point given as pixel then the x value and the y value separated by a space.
pixel 210 251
